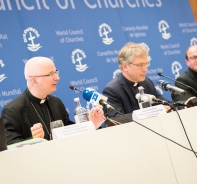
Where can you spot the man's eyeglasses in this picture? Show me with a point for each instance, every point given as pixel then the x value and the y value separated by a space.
pixel 51 74
pixel 194 58
pixel 141 65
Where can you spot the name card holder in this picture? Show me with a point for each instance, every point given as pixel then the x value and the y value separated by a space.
pixel 148 112
pixel 71 130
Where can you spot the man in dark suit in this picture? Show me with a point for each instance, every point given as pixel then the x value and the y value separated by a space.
pixel 189 77
pixel 29 115
pixel 133 63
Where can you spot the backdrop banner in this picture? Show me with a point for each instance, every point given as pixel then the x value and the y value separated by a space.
pixel 83 39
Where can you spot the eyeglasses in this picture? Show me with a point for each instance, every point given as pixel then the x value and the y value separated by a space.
pixel 141 65
pixel 51 74
pixel 194 58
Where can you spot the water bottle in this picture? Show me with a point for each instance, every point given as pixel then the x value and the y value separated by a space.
pixel 143 100
pixel 80 113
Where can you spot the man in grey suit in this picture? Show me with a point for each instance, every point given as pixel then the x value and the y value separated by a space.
pixel 133 63
pixel 189 77
pixel 29 115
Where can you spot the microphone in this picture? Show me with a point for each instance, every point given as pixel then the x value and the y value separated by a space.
pixel 160 74
pixel 74 88
pixel 166 86
pixel 87 93
pixel 96 98
pixel 152 98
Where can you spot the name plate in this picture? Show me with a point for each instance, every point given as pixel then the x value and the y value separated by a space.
pixel 70 130
pixel 148 112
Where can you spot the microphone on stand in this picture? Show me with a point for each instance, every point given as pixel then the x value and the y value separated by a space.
pixel 153 99
pixel 192 102
pixel 95 98
pixel 160 74
pixel 98 100
pixel 168 87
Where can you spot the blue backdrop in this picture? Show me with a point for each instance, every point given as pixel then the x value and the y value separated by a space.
pixel 83 38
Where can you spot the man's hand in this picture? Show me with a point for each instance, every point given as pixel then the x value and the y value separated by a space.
pixel 37 131
pixel 189 101
pixel 96 116
pixel 168 108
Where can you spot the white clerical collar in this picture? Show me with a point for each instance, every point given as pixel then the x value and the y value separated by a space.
pixel 42 101
pixel 135 84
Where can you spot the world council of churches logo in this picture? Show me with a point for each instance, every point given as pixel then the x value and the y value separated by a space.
pixel 29 35
pixel 116 73
pixel 193 41
pixel 147 48
pixel 176 67
pixel 163 26
pixel 2 76
pixel 104 30
pixel 159 90
pixel 77 57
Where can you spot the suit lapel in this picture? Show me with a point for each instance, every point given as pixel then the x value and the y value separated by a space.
pixel 128 91
pixel 53 106
pixel 192 78
pixel 125 86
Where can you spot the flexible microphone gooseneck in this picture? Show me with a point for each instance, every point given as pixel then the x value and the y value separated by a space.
pixel 192 150
pixel 160 74
pixel 74 88
pixel 130 119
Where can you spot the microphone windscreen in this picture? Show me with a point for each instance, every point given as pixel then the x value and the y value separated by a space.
pixel 160 74
pixel 72 87
pixel 162 84
pixel 87 93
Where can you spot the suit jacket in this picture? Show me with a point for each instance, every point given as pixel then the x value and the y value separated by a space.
pixel 188 78
pixel 19 116
pixel 120 96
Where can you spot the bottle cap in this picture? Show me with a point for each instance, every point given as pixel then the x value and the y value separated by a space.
pixel 140 87
pixel 76 99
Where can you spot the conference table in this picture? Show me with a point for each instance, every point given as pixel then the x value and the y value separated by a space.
pixel 123 154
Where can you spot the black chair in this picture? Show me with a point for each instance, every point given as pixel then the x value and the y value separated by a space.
pixel 3 142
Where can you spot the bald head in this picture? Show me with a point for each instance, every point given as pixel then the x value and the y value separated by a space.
pixel 35 66
pixel 41 75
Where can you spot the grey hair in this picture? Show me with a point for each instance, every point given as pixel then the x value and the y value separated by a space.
pixel 128 53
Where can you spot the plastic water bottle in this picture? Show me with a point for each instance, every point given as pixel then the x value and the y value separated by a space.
pixel 80 113
pixel 143 100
